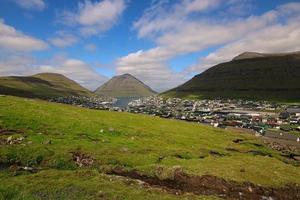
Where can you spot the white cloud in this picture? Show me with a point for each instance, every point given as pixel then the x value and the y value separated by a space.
pixel 273 31
pixel 13 40
pixel 76 70
pixel 150 67
pixel 63 40
pixel 31 4
pixel 90 47
pixel 95 17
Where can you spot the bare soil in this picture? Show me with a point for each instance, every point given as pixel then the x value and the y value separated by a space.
pixel 212 185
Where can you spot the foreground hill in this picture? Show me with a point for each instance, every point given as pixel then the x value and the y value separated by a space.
pixel 249 75
pixel 55 151
pixel 125 85
pixel 44 85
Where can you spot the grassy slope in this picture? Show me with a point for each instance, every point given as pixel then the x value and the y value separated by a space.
pixel 41 86
pixel 269 78
pixel 136 142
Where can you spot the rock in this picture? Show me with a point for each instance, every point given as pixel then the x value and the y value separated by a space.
pixel 47 142
pixel 250 189
pixel 9 139
pixel 30 169
pixel 124 149
pixel 29 142
pixel 297 158
pixel 111 129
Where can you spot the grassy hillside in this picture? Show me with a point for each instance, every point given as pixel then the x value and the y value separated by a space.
pixel 77 152
pixel 45 85
pixel 264 77
pixel 124 85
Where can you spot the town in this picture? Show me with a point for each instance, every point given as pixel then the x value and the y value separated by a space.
pixel 260 116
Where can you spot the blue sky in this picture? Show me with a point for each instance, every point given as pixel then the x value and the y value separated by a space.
pixel 162 42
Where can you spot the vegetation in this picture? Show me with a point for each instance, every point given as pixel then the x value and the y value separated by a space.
pixel 54 133
pixel 45 85
pixel 270 77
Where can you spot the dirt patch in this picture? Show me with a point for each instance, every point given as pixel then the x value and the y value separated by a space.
pixel 82 159
pixel 212 185
pixel 10 131
pixel 216 154
pixel 238 140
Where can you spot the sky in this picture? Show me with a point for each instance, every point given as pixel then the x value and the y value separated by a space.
pixel 162 42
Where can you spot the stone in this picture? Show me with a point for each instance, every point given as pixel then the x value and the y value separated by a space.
pixel 9 139
pixel 47 142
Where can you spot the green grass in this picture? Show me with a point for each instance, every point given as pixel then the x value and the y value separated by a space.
pixel 136 142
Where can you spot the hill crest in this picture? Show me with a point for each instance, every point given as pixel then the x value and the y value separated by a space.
pixel 42 85
pixel 125 85
pixel 249 76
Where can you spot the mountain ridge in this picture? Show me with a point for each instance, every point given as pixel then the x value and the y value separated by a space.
pixel 263 77
pixel 42 85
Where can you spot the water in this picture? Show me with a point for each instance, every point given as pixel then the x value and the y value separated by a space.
pixel 123 102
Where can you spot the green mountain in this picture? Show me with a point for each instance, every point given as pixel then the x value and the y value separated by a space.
pixel 124 85
pixel 249 75
pixel 44 85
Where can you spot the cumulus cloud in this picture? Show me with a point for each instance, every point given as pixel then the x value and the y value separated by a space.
pixel 94 17
pixel 13 40
pixel 63 40
pixel 31 4
pixel 275 38
pixel 78 71
pixel 150 67
pixel 273 31
pixel 90 47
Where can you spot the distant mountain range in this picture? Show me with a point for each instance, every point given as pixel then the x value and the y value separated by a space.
pixel 44 85
pixel 250 75
pixel 125 85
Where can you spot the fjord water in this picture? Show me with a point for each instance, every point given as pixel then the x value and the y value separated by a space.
pixel 123 102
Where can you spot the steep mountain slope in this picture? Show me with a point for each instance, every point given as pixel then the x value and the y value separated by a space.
pixel 44 85
pixel 249 75
pixel 124 85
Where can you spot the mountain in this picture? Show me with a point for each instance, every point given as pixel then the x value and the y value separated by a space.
pixel 44 85
pixel 124 85
pixel 250 75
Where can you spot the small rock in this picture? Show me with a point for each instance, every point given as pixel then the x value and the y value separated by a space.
pixel 29 142
pixel 297 158
pixel 111 129
pixel 9 139
pixel 47 142
pixel 250 189
pixel 124 149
